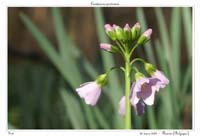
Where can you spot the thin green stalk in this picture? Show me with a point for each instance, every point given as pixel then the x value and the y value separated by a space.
pixel 127 92
pixel 137 59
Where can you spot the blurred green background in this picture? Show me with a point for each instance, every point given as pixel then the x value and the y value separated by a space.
pixel 51 51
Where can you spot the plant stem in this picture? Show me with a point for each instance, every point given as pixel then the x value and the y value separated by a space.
pixel 127 92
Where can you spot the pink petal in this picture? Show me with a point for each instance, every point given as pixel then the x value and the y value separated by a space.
pixel 148 33
pixel 137 88
pixel 122 106
pixel 127 27
pixel 137 25
pixel 108 27
pixel 90 92
pixel 150 100
pixel 105 46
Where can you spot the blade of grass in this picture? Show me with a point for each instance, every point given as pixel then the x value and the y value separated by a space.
pixel 47 47
pixel 187 78
pixel 176 49
pixel 65 41
pixel 164 120
pixel 169 56
pixel 175 40
pixel 187 24
pixel 73 109
pixel 148 46
pixel 66 54
pixel 41 39
pixel 102 121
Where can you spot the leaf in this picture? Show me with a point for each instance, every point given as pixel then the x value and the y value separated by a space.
pixel 73 109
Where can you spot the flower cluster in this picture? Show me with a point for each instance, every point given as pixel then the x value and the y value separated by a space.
pixel 143 89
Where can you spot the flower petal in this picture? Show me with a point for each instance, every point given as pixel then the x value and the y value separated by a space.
pixel 150 100
pixel 93 97
pixel 136 87
pixel 122 106
pixel 140 108
pixel 163 80
pixel 90 92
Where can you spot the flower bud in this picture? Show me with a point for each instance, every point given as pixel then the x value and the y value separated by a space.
pixel 110 32
pixel 149 68
pixel 109 47
pixel 119 32
pixel 145 37
pixel 135 31
pixel 102 79
pixel 127 32
pixel 138 75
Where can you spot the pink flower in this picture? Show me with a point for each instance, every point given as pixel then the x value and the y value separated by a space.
pixel 115 26
pixel 90 92
pixel 148 33
pixel 108 27
pixel 137 25
pixel 127 28
pixel 144 89
pixel 105 46
pixel 163 81
pixel 122 107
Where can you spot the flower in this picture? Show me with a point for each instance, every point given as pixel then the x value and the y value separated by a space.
pixel 110 31
pixel 137 25
pixel 109 47
pixel 127 33
pixel 108 27
pixel 127 27
pixel 119 32
pixel 105 46
pixel 148 33
pixel 90 92
pixel 145 37
pixel 144 89
pixel 122 106
pixel 135 31
pixel 163 81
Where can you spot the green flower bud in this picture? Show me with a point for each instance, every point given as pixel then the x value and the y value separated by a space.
pixel 149 68
pixel 127 33
pixel 119 32
pixel 138 75
pixel 109 47
pixel 102 79
pixel 145 37
pixel 110 32
pixel 135 31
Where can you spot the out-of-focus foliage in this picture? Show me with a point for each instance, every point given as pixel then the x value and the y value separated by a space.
pixel 43 96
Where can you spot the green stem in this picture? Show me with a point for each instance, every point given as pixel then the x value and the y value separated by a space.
pixel 137 59
pixel 127 92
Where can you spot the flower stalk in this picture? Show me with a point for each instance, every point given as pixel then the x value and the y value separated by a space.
pixel 127 92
